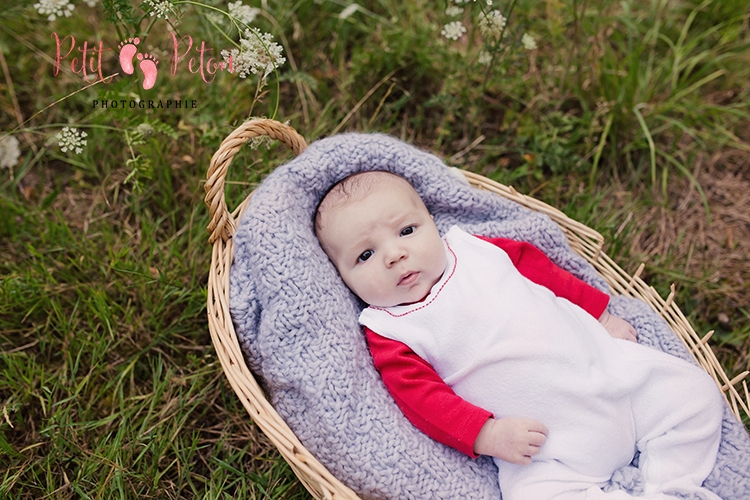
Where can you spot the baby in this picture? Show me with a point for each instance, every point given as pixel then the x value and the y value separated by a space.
pixel 490 348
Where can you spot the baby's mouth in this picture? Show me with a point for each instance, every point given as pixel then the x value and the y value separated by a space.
pixel 408 278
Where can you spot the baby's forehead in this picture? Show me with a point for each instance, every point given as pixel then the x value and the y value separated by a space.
pixel 357 187
pixel 365 183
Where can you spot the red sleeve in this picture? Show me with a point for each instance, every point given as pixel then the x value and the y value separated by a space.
pixel 426 401
pixel 533 264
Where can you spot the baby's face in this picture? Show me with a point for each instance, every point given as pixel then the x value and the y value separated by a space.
pixel 385 246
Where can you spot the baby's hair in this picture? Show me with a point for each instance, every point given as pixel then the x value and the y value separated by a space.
pixel 354 186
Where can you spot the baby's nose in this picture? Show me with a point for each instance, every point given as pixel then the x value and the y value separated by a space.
pixel 396 254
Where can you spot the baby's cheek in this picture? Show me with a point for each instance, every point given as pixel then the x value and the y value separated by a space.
pixel 349 281
pixel 361 285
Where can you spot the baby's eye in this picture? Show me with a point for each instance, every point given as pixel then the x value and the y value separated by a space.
pixel 365 255
pixel 407 230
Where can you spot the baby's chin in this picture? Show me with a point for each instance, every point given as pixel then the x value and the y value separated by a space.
pixel 410 302
pixel 412 297
pixel 394 302
pixel 382 304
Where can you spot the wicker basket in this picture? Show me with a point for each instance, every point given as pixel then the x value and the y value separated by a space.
pixel 320 482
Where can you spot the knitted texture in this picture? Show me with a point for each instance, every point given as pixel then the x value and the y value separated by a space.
pixel 297 324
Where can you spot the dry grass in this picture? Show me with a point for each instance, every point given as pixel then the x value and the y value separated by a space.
pixel 707 252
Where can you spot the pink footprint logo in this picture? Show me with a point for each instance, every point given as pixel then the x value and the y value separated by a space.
pixel 127 50
pixel 148 66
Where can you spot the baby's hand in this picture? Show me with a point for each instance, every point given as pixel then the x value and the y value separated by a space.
pixel 618 328
pixel 514 440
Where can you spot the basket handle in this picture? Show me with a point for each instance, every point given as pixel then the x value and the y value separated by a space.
pixel 222 223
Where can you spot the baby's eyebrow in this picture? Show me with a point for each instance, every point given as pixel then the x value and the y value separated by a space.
pixel 399 218
pixel 361 244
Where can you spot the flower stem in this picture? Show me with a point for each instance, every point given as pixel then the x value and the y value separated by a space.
pixel 498 47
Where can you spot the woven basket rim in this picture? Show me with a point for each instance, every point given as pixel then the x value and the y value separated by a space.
pixel 313 475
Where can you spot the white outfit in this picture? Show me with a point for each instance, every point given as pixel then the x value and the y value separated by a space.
pixel 512 347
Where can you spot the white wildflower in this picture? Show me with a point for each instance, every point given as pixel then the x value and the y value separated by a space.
pixel 484 58
pixel 9 151
pixel 91 3
pixel 454 11
pixel 528 42
pixel 459 2
pixel 145 129
pixel 258 54
pixel 70 139
pixel 244 13
pixel 55 8
pixel 453 30
pixel 349 10
pixel 489 3
pixel 492 23
pixel 216 18
pixel 160 8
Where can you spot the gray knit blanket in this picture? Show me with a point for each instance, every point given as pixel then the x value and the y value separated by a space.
pixel 297 324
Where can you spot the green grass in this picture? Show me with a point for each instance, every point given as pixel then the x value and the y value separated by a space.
pixel 109 387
